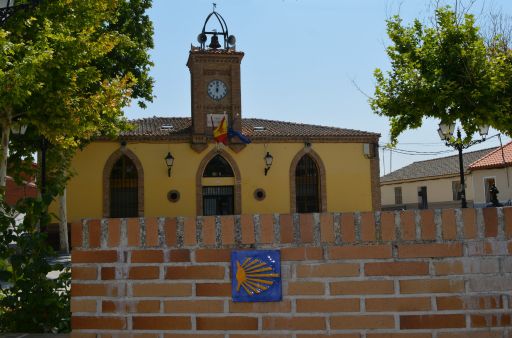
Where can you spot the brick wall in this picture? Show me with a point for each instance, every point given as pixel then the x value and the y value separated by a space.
pixel 419 274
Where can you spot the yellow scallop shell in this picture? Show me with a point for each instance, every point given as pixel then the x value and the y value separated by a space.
pixel 254 276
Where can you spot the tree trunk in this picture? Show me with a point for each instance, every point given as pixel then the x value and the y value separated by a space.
pixel 5 154
pixel 63 223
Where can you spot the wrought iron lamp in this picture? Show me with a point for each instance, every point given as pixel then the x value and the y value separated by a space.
pixel 268 162
pixel 169 161
pixel 445 132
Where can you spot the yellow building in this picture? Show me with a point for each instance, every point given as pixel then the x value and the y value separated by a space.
pixel 173 166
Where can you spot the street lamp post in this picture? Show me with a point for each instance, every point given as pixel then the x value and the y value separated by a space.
pixel 446 134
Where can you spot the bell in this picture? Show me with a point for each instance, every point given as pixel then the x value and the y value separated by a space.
pixel 215 42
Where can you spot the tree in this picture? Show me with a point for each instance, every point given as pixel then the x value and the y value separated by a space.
pixel 445 71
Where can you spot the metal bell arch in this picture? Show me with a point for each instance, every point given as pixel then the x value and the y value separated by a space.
pixel 228 40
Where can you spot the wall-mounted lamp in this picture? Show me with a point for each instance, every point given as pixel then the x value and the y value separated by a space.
pixel 268 162
pixel 169 161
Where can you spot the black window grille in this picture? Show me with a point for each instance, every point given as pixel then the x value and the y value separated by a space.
pixel 218 167
pixel 398 195
pixel 307 187
pixel 124 189
pixel 218 200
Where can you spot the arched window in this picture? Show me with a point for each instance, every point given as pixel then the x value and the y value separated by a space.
pixel 307 187
pixel 124 188
pixel 218 167
pixel 218 199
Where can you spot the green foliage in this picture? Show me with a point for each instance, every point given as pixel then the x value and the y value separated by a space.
pixel 445 72
pixel 32 303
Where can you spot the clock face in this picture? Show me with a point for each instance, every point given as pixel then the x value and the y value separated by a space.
pixel 217 90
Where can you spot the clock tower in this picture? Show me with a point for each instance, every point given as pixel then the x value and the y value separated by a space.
pixel 215 83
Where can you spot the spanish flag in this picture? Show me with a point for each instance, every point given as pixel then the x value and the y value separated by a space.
pixel 220 134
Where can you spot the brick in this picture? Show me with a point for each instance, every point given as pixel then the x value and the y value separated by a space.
pixel 213 255
pixel 260 307
pixel 450 267
pixel 144 272
pixel 247 223
pixel 469 218
pixel 427 225
pixel 490 320
pixel 267 229
pixel 194 306
pixel 76 235
pixel 195 272
pixel 326 228
pixel 105 323
pixel 305 288
pixel 293 323
pixel 170 229
pixel 147 256
pixel 184 335
pixel 328 305
pixel 108 273
pixel 228 230
pixel 286 224
pixel 302 253
pixel 96 256
pixel 491 222
pixel 362 322
pixel 133 228
pixel 189 227
pixel 467 334
pixel 507 214
pixel 387 225
pixel 145 306
pixel 442 321
pixel 114 232
pixel 94 233
pixel 366 287
pixel 209 230
pixel 431 286
pixel 469 302
pixel 348 230
pixel 449 224
pixel 108 306
pixel 151 231
pixel 161 323
pixel 306 228
pixel 84 273
pixel 398 304
pixel 367 226
pixel 106 290
pixel 327 270
pixel 430 250
pixel 396 269
pixel 319 335
pixel 162 290
pixel 360 252
pixel 83 305
pixel 179 256
pixel 407 225
pixel 213 289
pixel 227 323
pixel 144 335
pixel 398 335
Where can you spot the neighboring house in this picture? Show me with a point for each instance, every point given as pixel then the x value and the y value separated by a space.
pixel 429 184
pixel 313 168
pixel 493 168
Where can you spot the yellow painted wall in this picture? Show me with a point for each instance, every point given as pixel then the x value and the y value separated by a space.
pixel 503 183
pixel 348 177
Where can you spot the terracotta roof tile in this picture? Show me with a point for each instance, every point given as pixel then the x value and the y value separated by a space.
pixel 435 167
pixel 499 158
pixel 179 127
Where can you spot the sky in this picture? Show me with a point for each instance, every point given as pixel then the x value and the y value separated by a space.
pixel 306 61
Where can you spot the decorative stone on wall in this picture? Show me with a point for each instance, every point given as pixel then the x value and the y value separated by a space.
pixel 424 274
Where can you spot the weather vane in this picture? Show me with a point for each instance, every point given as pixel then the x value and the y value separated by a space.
pixel 214 6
